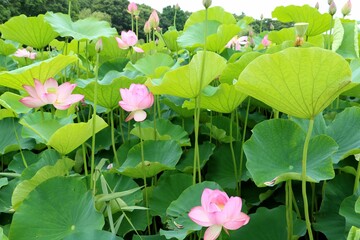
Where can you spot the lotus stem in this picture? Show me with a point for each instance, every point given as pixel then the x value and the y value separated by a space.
pixel 357 178
pixel 113 136
pixel 289 209
pixel 233 154
pixel 303 178
pixel 242 143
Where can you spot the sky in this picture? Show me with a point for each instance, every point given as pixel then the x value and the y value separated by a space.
pixel 253 8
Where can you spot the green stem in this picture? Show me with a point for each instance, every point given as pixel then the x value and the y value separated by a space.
pixel 330 32
pixel 18 142
pixel 233 154
pixel 92 168
pixel 83 151
pixel 113 136
pixel 137 26
pixel 242 143
pixel 303 178
pixel 357 178
pixel 175 18
pixel 69 10
pixel 144 178
pixel 289 210
pixel 132 22
pixel 196 147
pixel 13 175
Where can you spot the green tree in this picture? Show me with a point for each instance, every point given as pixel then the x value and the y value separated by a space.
pixel 167 17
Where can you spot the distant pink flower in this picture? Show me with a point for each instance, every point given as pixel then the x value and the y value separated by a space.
pixel 135 100
pixel 51 93
pixel 218 211
pixel 132 8
pixel 265 41
pixel 23 53
pixel 154 19
pixel 234 43
pixel 128 39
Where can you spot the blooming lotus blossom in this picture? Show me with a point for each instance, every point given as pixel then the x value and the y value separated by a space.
pixel 135 100
pixel 23 53
pixel 132 8
pixel 128 39
pixel 154 19
pixel 51 93
pixel 234 43
pixel 218 211
pixel 265 41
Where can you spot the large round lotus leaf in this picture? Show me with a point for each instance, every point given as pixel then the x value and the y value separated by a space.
pixel 186 81
pixel 180 225
pixel 347 210
pixel 318 23
pixel 31 31
pixel 69 137
pixel 274 153
pixel 40 70
pixel 345 40
pixel 159 156
pixel 55 209
pixel 345 131
pixel 328 219
pixel 89 28
pixel 223 98
pixel 6 48
pixel 93 235
pixel 269 224
pixel 11 101
pixel 300 82
pixel 108 92
pixel 11 139
pixel 214 13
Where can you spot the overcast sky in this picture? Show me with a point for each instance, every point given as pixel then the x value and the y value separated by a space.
pixel 252 8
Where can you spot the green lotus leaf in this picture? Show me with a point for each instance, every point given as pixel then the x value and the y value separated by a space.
pixel 354 233
pixel 31 31
pixel 345 40
pixel 108 92
pixel 10 101
pixel 6 48
pixel 168 189
pixel 347 210
pixel 170 38
pixel 61 206
pixel 344 131
pixel 150 63
pixel 300 82
pixel 23 189
pixel 328 220
pixel 218 35
pixel 6 113
pixel 13 141
pixel 69 137
pixel 2 235
pixel 282 35
pixel 259 228
pixel 233 70
pixel 111 49
pixel 83 29
pixel 274 153
pixel 163 129
pixel 224 98
pixel 40 70
pixel 318 23
pixel 214 13
pixel 355 68
pixel 159 156
pixel 72 47
pixel 180 225
pixel 93 235
pixel 186 81
pixel 41 126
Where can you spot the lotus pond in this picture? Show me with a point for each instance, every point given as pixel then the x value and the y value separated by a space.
pixel 207 132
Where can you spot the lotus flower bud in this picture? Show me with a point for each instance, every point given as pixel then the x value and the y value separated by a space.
pixel 300 30
pixel 346 9
pixel 332 9
pixel 317 6
pixel 99 45
pixel 147 27
pixel 177 7
pixel 207 3
pixel 330 2
pixel 262 16
pixel 271 27
pixel 154 19
pixel 132 8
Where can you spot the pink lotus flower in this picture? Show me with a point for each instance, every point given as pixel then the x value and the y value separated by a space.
pixel 135 100
pixel 132 8
pixel 265 41
pixel 51 93
pixel 147 27
pixel 218 211
pixel 234 43
pixel 128 39
pixel 23 53
pixel 154 19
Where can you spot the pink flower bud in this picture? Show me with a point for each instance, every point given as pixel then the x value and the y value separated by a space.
pixel 154 19
pixel 317 6
pixel 147 27
pixel 99 45
pixel 346 9
pixel 332 9
pixel 132 8
pixel 207 3
pixel 265 41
